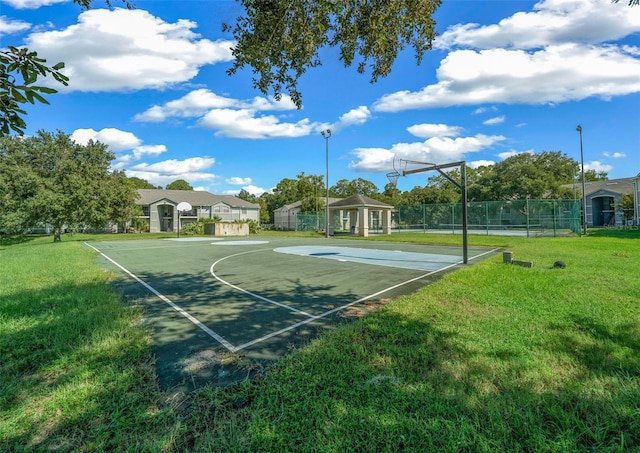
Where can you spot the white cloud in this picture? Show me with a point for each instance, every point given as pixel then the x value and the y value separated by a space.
pixel 512 153
pixel 174 166
pixel 237 181
pixel 560 51
pixel 116 139
pixel 31 4
pixel 253 190
pixel 9 26
pixel 165 172
pixel 615 155
pixel 427 130
pixel 556 74
pixel 597 166
pixel 495 120
pixel 198 102
pixel 485 109
pixel 357 116
pixel 244 123
pixel 480 163
pixel 120 49
pixel 434 150
pixel 551 22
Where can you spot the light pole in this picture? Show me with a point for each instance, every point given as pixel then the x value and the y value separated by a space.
pixel 326 134
pixel 584 195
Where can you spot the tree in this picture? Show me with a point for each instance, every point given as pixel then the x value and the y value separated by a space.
pixel 525 175
pixel 246 196
pixel 345 188
pixel 592 176
pixel 24 64
pixel 139 183
pixel 281 39
pixel 179 184
pixel 50 179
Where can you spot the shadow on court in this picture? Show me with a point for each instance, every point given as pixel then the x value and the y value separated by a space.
pixel 221 314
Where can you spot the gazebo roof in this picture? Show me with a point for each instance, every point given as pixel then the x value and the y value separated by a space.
pixel 359 201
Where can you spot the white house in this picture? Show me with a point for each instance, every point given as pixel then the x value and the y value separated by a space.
pixel 159 208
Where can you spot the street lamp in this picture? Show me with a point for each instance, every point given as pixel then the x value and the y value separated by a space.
pixel 326 134
pixel 584 195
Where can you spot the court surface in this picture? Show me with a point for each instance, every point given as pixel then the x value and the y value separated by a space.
pixel 222 309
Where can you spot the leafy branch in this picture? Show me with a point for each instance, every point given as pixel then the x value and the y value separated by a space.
pixel 24 64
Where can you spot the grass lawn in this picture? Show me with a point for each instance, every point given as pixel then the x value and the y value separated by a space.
pixel 493 357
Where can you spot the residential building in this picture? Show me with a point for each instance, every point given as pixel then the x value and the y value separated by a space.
pixel 159 207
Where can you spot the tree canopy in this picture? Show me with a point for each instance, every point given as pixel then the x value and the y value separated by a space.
pixel 281 39
pixel 179 184
pixel 50 179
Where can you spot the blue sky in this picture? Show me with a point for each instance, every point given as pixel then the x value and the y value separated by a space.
pixel 504 77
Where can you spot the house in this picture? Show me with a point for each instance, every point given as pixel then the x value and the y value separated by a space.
pixel 604 201
pixel 159 207
pixel 284 218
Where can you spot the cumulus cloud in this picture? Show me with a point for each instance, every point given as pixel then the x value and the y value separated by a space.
pixel 198 102
pixel 253 190
pixel 165 172
pixel 615 155
pixel 116 139
pixel 561 73
pixel 551 22
pixel 480 163
pixel 9 26
pixel 597 166
pixel 117 142
pixel 237 181
pixel 508 154
pixel 120 49
pixel 561 51
pixel 31 4
pixel 434 150
pixel 244 123
pixel 427 130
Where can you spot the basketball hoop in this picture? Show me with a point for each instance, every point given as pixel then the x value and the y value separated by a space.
pixel 393 177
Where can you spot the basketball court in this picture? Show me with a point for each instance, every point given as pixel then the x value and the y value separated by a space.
pixel 223 309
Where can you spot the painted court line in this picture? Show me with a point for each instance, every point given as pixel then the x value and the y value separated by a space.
pixel 334 310
pixel 342 307
pixel 176 307
pixel 257 296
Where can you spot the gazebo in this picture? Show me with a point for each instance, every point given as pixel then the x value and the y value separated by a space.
pixel 361 211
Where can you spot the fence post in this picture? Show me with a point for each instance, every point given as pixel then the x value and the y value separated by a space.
pixel 526 210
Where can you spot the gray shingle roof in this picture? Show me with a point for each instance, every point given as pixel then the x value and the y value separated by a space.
pixel 193 197
pixel 359 200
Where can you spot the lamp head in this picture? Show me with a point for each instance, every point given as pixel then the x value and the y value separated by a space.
pixel 326 133
pixel 579 128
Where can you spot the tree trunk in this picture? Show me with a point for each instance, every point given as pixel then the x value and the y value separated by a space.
pixel 56 235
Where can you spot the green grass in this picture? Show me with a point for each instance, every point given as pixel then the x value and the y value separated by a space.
pixel 493 357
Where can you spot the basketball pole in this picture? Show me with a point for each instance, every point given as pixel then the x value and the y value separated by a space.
pixel 462 185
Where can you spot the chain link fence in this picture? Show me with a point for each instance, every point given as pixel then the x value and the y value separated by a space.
pixel 550 217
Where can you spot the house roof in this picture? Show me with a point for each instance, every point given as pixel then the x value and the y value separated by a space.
pixel 297 204
pixel 621 186
pixel 193 197
pixel 359 201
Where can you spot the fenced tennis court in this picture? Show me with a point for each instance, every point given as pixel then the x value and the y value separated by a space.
pixel 221 309
pixel 531 218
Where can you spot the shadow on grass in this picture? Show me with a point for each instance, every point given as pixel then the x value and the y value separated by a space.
pixel 400 384
pixel 620 233
pixel 74 373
